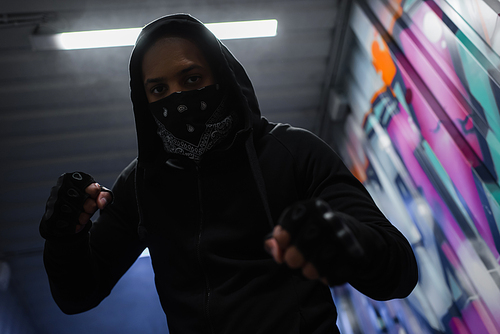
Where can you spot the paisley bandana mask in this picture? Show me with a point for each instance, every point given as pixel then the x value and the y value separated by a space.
pixel 190 123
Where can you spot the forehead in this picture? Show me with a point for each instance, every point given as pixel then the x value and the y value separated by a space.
pixel 171 52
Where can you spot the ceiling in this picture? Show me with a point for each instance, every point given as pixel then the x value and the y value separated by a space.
pixel 62 111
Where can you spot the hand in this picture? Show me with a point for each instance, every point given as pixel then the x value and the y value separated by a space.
pixel 99 198
pixel 311 237
pixel 283 252
pixel 71 204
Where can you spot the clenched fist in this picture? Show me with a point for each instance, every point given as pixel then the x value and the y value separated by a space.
pixel 311 237
pixel 72 202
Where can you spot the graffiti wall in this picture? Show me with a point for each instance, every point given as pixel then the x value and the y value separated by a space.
pixel 423 135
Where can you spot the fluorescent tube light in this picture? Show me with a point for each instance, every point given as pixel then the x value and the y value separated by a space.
pixel 96 38
pixel 127 37
pixel 244 29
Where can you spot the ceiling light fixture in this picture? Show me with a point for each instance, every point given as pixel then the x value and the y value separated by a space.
pixel 127 37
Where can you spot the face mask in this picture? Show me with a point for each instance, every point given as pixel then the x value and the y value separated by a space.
pixel 190 123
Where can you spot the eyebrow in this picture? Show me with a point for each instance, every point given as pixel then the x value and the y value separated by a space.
pixel 183 71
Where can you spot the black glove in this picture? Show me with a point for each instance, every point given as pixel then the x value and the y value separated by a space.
pixel 65 204
pixel 323 239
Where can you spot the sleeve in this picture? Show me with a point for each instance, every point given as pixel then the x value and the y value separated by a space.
pixel 388 268
pixel 82 269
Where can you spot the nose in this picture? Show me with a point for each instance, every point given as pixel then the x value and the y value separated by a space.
pixel 174 88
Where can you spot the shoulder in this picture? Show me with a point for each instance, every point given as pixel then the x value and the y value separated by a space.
pixel 296 141
pixel 130 169
pixel 283 130
pixel 285 145
pixel 126 179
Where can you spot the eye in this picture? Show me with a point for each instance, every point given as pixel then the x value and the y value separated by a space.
pixel 160 89
pixel 193 79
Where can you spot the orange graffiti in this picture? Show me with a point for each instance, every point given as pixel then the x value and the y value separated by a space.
pixel 384 65
pixel 382 61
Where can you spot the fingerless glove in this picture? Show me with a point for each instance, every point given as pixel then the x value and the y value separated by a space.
pixel 323 238
pixel 65 204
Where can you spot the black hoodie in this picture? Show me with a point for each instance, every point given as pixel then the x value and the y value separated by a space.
pixel 204 222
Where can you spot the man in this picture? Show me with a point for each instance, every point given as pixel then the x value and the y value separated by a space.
pixel 212 181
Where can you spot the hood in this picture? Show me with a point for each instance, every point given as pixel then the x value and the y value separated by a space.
pixel 226 67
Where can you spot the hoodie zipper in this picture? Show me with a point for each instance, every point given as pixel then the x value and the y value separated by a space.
pixel 206 305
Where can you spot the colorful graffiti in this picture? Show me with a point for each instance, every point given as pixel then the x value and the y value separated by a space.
pixel 423 136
